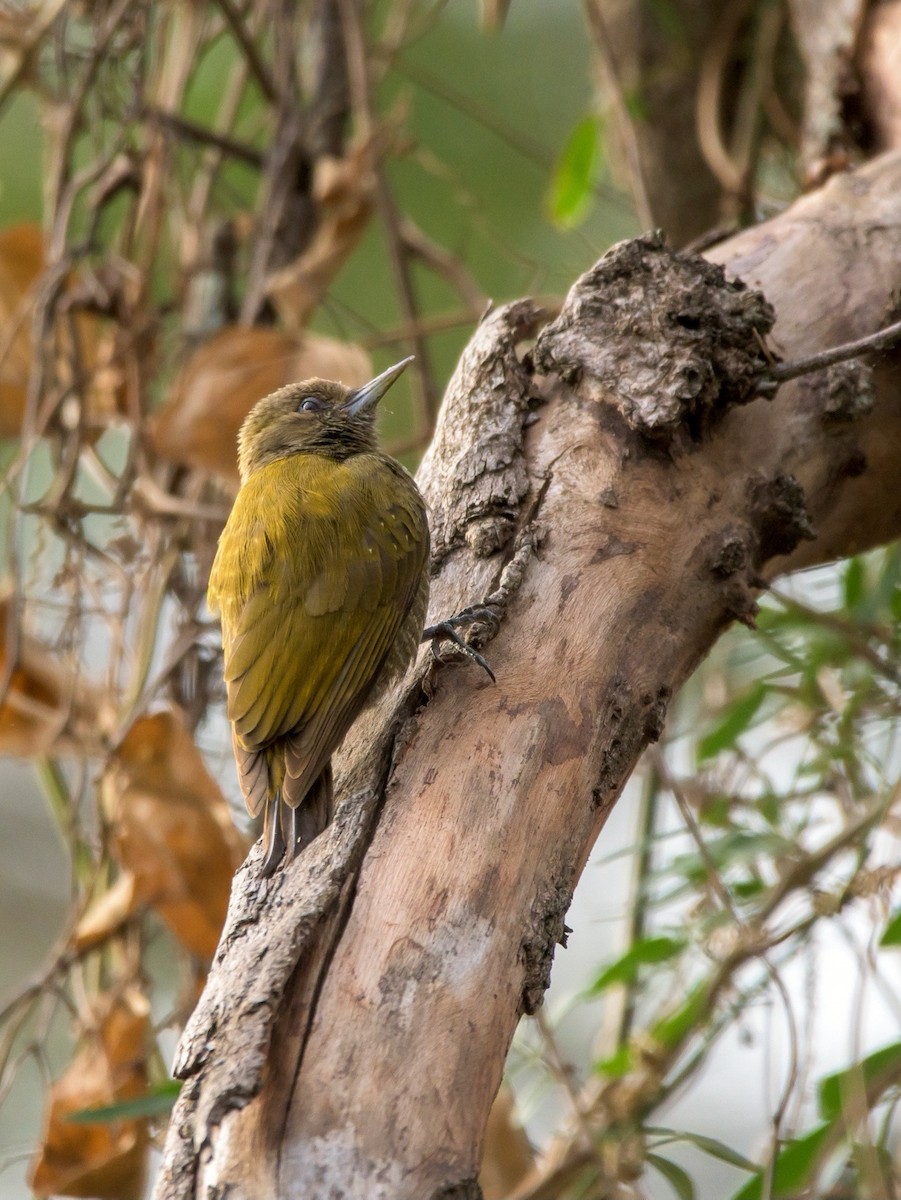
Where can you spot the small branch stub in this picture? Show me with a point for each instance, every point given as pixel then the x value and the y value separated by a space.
pixel 779 516
pixel 849 391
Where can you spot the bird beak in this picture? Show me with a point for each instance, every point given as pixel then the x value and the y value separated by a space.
pixel 371 393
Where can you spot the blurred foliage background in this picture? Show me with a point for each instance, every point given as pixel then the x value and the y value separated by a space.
pixel 202 201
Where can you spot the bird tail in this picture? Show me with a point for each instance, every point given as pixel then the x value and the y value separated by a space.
pixel 273 836
pixel 292 827
pixel 314 812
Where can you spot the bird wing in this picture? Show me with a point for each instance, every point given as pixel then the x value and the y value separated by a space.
pixel 334 554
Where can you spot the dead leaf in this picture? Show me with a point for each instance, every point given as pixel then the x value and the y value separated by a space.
pixel 108 1159
pixel 508 1157
pixel 22 263
pixel 172 834
pixel 223 379
pixel 42 710
pixel 108 913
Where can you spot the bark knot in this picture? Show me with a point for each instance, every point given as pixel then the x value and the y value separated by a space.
pixel 850 391
pixel 667 338
pixel 778 516
pixel 730 555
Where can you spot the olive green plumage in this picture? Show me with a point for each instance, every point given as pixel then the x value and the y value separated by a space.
pixel 321 583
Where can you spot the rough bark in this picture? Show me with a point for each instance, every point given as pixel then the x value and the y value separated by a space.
pixel 355 1024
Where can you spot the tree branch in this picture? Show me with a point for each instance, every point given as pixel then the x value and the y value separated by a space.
pixel 354 1027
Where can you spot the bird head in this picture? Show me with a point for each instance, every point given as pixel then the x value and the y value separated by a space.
pixel 316 416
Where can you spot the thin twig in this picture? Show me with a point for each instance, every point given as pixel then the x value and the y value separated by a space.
pixel 622 1004
pixel 563 1073
pixel 851 632
pixel 211 162
pixel 444 264
pixel 424 326
pixel 528 147
pixel 883 339
pixel 613 88
pixel 204 136
pixel 746 125
pixel 258 68
pixel 717 885
pixel 708 101
pixel 45 15
pixel 361 96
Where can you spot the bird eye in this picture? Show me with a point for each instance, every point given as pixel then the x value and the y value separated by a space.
pixel 311 404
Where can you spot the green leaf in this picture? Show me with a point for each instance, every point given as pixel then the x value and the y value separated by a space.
pixel 795 1165
pixel 853 582
pixel 640 954
pixel 742 845
pixel 694 1012
pixel 892 933
pixel 576 173
pixel 619 1063
pixel 676 1177
pixel 747 889
pixel 770 808
pixel 709 1145
pixel 717 812
pixel 156 1102
pixel 736 847
pixel 734 721
pixel 882 1067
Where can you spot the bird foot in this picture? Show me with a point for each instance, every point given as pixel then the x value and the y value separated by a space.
pixel 446 630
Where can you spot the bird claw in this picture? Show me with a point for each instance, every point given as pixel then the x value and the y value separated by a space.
pixel 447 631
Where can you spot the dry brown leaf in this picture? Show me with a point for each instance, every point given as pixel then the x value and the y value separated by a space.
pixel 21 264
pixel 172 835
pixel 223 379
pixel 99 1160
pixel 508 1157
pixel 41 710
pixel 107 914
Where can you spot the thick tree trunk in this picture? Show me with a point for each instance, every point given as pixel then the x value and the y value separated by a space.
pixel 620 509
